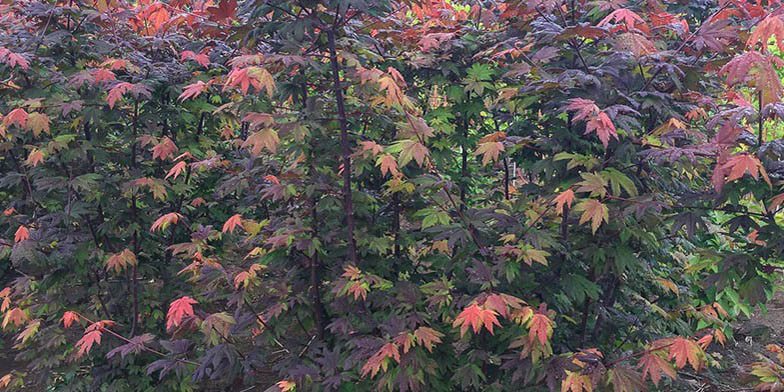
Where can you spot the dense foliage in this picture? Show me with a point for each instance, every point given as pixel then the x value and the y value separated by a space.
pixel 397 195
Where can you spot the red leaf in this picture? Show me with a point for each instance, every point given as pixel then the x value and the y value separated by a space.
pixel 193 90
pixel 164 221
pixel 178 310
pixel 69 317
pixel 624 16
pixel 22 234
pixel 14 316
pixel 231 223
pixel 476 317
pixel 227 9
pixel 175 171
pixel 165 149
pixel 17 116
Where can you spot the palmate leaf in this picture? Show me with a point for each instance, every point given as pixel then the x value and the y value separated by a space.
pixel 476 317
pixel 594 211
pixel 179 309
pixel 654 366
pixel 565 198
pixel 767 28
pixel 624 379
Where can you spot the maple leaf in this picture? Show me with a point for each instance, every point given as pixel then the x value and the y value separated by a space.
pixel 625 379
pixel 257 77
pixel 427 337
pixel 655 366
pixel 565 198
pixel 380 359
pixel 22 234
pixel 501 303
pixel 226 9
pixel 411 149
pixel 193 90
pixel 38 122
pixel 200 58
pixel 176 170
pixel 69 317
pixel 17 116
pixel 14 316
pixel 266 138
pixel 5 381
pixel 117 92
pixel 119 261
pixel 102 75
pixel 165 149
pixel 529 255
pixel 635 43
pixel 92 336
pixel 770 26
pixel 627 17
pixel 540 327
pixel 164 221
pixel 739 164
pixel 576 382
pixel 388 165
pixel 683 350
pixel 585 108
pixel 231 223
pixel 489 151
pixel 593 183
pixel 603 127
pixel 286 385
pixel 476 317
pixel 30 330
pixel 178 310
pixel 594 211
pixel 13 59
pixel 35 158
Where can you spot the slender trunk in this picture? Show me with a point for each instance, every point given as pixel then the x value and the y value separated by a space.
pixel 319 312
pixel 347 201
pixel 464 166
pixel 135 240
pixel 761 121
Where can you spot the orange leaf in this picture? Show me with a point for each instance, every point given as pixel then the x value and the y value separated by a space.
pixel 593 211
pixel 22 234
pixel 14 316
pixel 69 317
pixel 564 198
pixel 476 317
pixel 388 165
pixel 654 366
pixel 164 221
pixel 17 116
pixel 427 337
pixel 35 158
pixel 684 350
pixel 176 170
pixel 489 151
pixel 231 223
pixel 540 327
pixel 178 310
pixel 119 261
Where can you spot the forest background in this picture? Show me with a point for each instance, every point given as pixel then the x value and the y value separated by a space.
pixel 352 195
